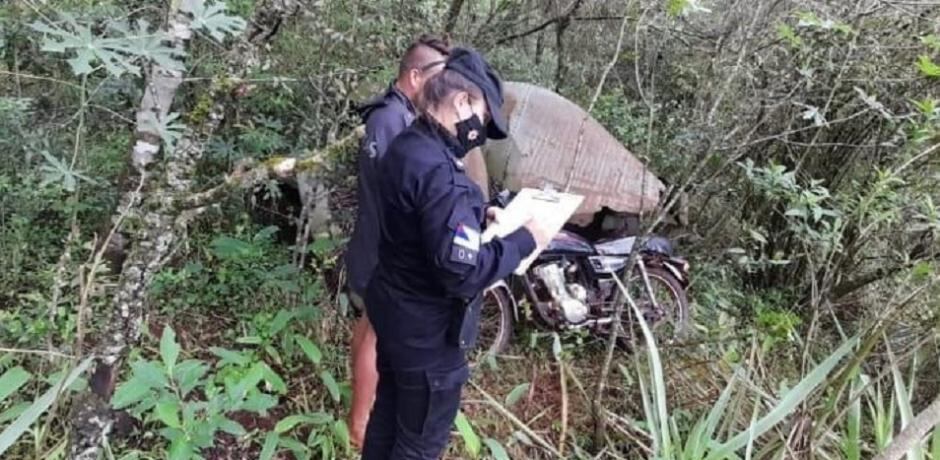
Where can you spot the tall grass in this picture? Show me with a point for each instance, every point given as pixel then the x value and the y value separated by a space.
pixel 703 441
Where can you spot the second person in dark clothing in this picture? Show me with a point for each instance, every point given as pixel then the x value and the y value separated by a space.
pixel 385 117
pixel 432 264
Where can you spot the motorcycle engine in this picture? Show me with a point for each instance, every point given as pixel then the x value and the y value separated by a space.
pixel 569 298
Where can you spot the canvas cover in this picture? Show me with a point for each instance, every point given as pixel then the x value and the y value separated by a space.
pixel 552 142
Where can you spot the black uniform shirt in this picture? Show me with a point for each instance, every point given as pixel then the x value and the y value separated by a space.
pixel 431 259
pixel 385 116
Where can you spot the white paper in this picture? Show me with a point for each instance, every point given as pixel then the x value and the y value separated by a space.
pixel 548 208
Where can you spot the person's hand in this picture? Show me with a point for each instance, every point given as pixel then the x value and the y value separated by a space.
pixel 539 233
pixel 494 214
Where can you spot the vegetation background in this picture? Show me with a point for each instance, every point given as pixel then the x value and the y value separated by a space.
pixel 163 296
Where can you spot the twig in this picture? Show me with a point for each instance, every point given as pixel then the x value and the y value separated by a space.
pixel 36 352
pixel 572 8
pixel 512 418
pixel 597 93
pixel 564 405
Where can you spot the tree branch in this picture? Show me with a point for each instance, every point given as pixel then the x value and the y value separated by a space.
pixel 573 8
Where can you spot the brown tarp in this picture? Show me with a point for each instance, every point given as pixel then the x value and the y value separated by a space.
pixel 553 142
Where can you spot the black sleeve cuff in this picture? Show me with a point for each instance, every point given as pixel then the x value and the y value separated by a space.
pixel 523 240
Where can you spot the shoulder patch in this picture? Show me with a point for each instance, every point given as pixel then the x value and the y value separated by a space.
pixel 465 247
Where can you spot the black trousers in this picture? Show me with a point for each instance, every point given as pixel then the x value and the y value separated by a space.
pixel 414 411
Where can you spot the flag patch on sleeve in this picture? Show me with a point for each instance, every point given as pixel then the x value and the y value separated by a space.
pixel 465 245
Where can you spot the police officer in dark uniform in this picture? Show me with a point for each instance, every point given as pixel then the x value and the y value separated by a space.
pixel 385 117
pixel 423 299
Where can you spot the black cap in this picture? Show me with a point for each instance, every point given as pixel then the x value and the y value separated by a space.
pixel 473 67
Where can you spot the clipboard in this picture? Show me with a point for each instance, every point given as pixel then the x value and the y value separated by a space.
pixel 549 208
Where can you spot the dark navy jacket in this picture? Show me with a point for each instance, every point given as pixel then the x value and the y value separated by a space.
pixel 431 260
pixel 385 117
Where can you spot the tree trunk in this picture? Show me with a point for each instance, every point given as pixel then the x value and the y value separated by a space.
pixel 560 66
pixel 453 12
pixel 156 207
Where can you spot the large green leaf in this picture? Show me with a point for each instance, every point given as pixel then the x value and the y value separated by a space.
pixel 212 19
pixel 19 426
pixel 471 441
pixel 169 349
pixel 270 446
pixel 330 383
pixel 309 348
pixel 288 423
pixel 12 380
pixel 122 51
pixel 516 394
pixel 168 412
pixel 903 398
pixel 130 392
pixel 790 401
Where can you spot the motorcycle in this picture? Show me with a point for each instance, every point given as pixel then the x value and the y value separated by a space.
pixel 574 284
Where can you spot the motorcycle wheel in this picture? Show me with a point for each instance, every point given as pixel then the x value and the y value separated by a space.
pixel 496 323
pixel 672 318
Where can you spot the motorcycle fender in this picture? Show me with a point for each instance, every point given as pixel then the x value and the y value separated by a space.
pixel 676 272
pixel 501 285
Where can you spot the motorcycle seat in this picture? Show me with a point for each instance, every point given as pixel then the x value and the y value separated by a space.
pixel 618 247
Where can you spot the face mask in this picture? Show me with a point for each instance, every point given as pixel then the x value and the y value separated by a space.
pixel 471 133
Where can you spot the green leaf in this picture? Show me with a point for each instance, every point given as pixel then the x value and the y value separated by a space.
pixel 249 340
pixel 270 446
pixel 227 356
pixel 496 449
pixel 280 321
pixel 341 432
pixel 851 444
pixel 12 380
pixel 129 393
pixel 232 427
pixel 275 381
pixel 675 8
pixel 225 247
pixel 167 128
pixel 516 394
pixel 790 401
pixel 180 449
pixel 150 374
pixel 22 423
pixel 13 412
pixel 928 67
pixel 903 398
pixel 288 423
pixel 471 441
pixel 330 384
pixel 309 348
pixel 168 413
pixel 785 32
pixel 212 18
pixel 169 349
pixel 189 374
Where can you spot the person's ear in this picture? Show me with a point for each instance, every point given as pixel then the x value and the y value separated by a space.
pixel 461 102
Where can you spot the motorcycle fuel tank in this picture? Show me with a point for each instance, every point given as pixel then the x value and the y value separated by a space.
pixel 566 242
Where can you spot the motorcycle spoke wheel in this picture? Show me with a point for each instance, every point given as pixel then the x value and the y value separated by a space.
pixel 495 326
pixel 664 305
